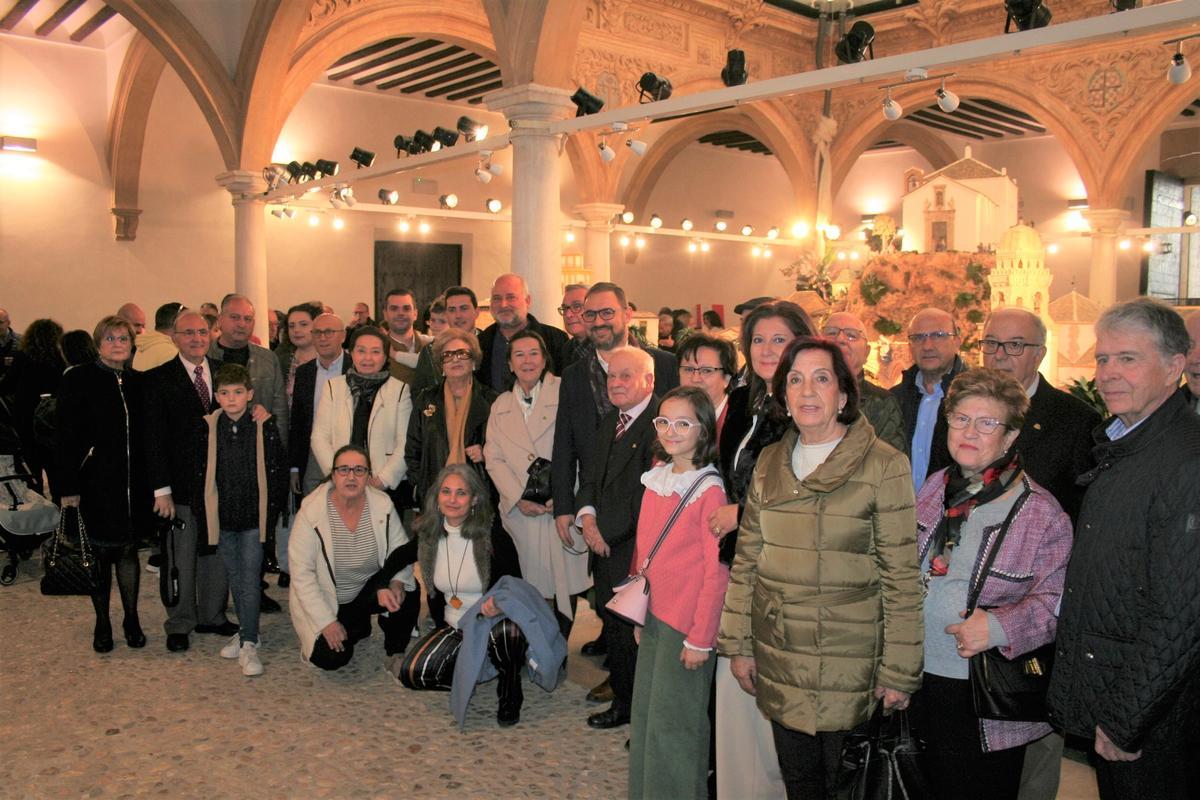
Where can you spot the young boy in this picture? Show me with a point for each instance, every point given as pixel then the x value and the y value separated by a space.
pixel 244 480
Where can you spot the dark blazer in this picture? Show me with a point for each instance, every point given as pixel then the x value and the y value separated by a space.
pixel 613 486
pixel 174 421
pixel 300 423
pixel 556 344
pixel 909 396
pixel 427 449
pixel 1056 443
pixel 578 418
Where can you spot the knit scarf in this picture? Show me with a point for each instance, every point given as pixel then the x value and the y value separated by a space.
pixel 962 495
pixel 363 389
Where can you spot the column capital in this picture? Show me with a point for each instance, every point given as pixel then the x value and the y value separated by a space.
pixel 1106 221
pixel 243 184
pixel 598 215
pixel 531 102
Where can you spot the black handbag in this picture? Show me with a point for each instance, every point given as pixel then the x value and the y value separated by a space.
pixel 69 560
pixel 1002 688
pixel 884 762
pixel 537 485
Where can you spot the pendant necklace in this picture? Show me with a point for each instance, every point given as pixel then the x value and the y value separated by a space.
pixel 455 601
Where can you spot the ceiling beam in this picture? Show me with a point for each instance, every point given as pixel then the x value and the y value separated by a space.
pixel 386 58
pixel 369 50
pixel 92 25
pixel 59 17
pixel 16 14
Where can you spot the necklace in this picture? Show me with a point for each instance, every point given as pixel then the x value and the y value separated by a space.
pixel 455 601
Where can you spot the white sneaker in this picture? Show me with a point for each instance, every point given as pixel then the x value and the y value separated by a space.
pixel 248 657
pixel 231 648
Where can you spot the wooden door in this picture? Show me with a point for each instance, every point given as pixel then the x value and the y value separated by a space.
pixel 427 269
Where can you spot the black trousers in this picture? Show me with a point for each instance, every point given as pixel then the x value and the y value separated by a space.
pixel 430 664
pixel 955 764
pixel 355 617
pixel 1169 768
pixel 622 649
pixel 809 764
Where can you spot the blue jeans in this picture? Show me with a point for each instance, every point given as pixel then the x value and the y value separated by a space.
pixel 242 555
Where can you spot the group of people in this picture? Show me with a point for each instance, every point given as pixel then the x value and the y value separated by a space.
pixel 817 547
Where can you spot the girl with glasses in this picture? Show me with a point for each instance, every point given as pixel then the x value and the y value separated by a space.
pixel 669 738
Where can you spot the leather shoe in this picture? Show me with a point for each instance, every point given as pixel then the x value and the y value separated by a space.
pixel 596 647
pixel 601 694
pixel 226 628
pixel 102 641
pixel 268 605
pixel 285 580
pixel 508 715
pixel 177 642
pixel 612 718
pixel 134 637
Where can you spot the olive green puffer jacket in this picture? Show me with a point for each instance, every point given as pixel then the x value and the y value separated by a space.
pixel 825 590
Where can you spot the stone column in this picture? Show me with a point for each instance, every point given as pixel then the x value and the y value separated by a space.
pixel 536 209
pixel 249 242
pixel 597 239
pixel 1106 226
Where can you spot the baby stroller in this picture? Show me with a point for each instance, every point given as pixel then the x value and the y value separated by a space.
pixel 26 518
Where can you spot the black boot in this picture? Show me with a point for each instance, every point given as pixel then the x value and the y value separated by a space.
pixel 102 641
pixel 508 713
pixel 506 649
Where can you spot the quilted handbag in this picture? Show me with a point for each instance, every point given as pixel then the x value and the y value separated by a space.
pixel 69 560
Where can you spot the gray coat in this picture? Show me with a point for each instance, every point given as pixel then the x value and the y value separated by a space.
pixel 270 387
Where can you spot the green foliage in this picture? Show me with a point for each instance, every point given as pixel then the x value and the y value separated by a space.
pixel 888 327
pixel 1086 391
pixel 975 273
pixel 872 289
pixel 965 299
pixel 975 316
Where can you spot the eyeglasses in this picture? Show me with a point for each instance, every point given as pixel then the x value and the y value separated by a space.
pixel 937 336
pixel 357 471
pixel 984 425
pixel 574 308
pixel 1013 348
pixel 683 425
pixel 110 339
pixel 704 372
pixel 456 355
pixel 605 314
pixel 326 331
pixel 851 334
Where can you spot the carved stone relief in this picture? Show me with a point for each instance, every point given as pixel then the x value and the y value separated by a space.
pixel 934 17
pixel 663 30
pixel 613 76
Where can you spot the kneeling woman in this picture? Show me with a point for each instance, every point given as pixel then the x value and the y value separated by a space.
pixel 461 559
pixel 340 540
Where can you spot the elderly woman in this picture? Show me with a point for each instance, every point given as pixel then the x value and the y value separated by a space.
pixel 340 540
pixel 982 502
pixel 449 423
pixel 745 750
pixel 823 613
pixel 99 435
pixel 709 364
pixel 520 430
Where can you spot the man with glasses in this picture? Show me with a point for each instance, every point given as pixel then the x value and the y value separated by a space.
pixel 877 404
pixel 400 312
pixel 934 340
pixel 571 312
pixel 329 333
pixel 510 309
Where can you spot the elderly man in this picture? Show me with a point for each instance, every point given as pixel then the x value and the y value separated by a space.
pixel 571 312
pixel 1191 370
pixel 400 311
pixel 934 340
pixel 157 346
pixel 610 498
pixel 510 309
pixel 9 341
pixel 329 333
pixel 878 405
pixel 1127 667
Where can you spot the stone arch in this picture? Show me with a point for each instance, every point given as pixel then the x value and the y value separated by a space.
pixel 868 124
pixel 550 26
pixel 132 98
pixel 263 65
pixel 928 144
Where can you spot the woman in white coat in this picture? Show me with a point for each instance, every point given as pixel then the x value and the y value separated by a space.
pixel 521 430
pixel 342 536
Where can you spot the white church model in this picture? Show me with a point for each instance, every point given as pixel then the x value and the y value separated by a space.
pixel 964 206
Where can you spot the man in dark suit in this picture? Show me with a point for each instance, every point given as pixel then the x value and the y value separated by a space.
pixel 329 332
pixel 610 500
pixel 510 309
pixel 178 395
pixel 462 309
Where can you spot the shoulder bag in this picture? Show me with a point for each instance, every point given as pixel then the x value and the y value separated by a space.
pixel 631 597
pixel 70 563
pixel 537 485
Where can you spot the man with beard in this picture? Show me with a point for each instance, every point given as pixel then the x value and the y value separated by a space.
pixel 510 309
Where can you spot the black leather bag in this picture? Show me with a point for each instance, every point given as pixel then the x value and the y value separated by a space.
pixel 884 763
pixel 537 485
pixel 70 562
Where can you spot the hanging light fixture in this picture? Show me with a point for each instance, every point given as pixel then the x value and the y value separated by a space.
pixel 482 175
pixel 891 109
pixel 692 247
pixel 947 100
pixel 569 236
pixel 471 130
pixel 314 220
pixel 1180 71
pixel 607 154
pixel 389 197
pixel 277 213
pixel 637 146
pixel 756 251
pixel 363 158
pixel 290 213
pixel 833 232
pixel 493 205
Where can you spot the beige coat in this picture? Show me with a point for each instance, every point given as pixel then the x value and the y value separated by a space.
pixel 825 588
pixel 387 430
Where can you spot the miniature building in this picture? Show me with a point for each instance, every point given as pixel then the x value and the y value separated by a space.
pixel 962 207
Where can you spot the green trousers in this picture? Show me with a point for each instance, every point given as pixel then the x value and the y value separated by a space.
pixel 669 733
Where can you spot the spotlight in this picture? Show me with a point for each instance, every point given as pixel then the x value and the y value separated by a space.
pixel 1123 5
pixel 1027 14
pixel 482 175
pixel 404 226
pixel 693 247
pixel 448 201
pixel 720 225
pixel 495 169
pixel 1124 244
pixel 389 197
pixel 363 158
pixel 756 251
pixel 342 197
pixel 471 130
pixel 295 171
pixel 403 144
pixel 833 232
pixel 423 142
pixel 639 243
pixel 891 109
pixel 338 223
pixel 423 227
pixel 607 154
pixel 734 73
pixel 703 246
pixel 569 237
pixel 290 213
pixel 799 230
pixel 655 221
pixel 772 232
pixel 627 217
pixel 947 100
pixel 766 252
pixel 1189 218
pixel 493 205
pixel 1180 71
pixel 314 220
pixel 326 167
pixel 857 42
pixel 445 137
pixel 277 213
pixel 652 88
pixel 623 241
pixel 1148 247
pixel 637 146
pixel 274 174
pixel 747 230
pixel 309 170
pixel 686 224
pixel 586 102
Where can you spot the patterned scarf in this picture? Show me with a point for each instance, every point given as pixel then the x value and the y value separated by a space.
pixel 598 379
pixel 363 389
pixel 962 495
